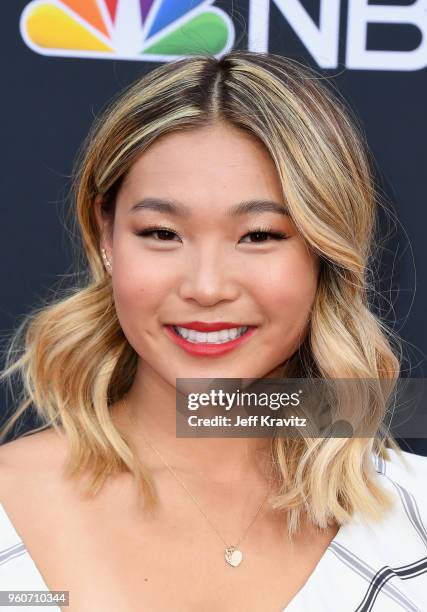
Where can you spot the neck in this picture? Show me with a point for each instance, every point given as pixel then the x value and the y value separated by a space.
pixel 148 412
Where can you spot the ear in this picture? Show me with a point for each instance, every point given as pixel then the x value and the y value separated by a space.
pixel 103 222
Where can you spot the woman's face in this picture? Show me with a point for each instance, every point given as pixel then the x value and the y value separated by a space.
pixel 204 263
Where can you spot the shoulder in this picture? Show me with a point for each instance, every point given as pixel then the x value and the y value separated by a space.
pixel 404 474
pixel 380 564
pixel 404 469
pixel 37 446
pixel 25 483
pixel 28 457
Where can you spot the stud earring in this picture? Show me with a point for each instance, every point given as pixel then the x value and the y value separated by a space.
pixel 105 258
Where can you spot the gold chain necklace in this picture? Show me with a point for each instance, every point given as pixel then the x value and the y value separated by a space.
pixel 233 555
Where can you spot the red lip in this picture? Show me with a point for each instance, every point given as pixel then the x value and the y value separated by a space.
pixel 200 326
pixel 206 348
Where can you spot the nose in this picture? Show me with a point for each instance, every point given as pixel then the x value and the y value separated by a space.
pixel 209 277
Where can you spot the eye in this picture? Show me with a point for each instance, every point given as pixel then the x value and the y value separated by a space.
pixel 164 233
pixel 263 233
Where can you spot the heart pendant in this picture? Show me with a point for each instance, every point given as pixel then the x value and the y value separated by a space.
pixel 233 556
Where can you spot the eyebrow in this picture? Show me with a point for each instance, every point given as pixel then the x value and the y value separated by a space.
pixel 179 209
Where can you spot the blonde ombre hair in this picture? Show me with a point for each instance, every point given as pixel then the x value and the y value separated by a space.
pixel 74 360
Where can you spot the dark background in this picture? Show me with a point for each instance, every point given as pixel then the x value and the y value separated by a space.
pixel 49 103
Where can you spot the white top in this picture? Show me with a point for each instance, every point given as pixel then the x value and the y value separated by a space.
pixel 381 567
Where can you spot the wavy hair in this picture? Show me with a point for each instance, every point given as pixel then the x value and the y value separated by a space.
pixel 71 356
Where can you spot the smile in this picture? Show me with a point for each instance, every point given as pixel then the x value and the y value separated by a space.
pixel 215 342
pixel 216 337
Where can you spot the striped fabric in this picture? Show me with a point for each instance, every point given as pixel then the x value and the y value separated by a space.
pixel 367 567
pixel 378 567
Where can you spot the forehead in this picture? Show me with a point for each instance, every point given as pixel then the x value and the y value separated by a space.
pixel 205 164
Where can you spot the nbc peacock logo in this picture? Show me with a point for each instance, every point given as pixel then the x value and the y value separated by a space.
pixel 156 30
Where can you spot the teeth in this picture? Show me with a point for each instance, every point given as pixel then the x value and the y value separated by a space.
pixel 225 335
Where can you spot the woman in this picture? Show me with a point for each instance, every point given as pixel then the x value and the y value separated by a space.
pixel 212 194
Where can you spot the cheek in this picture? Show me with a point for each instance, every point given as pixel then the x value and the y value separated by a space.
pixel 289 282
pixel 139 288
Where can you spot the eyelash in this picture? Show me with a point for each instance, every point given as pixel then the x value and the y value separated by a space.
pixel 146 233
